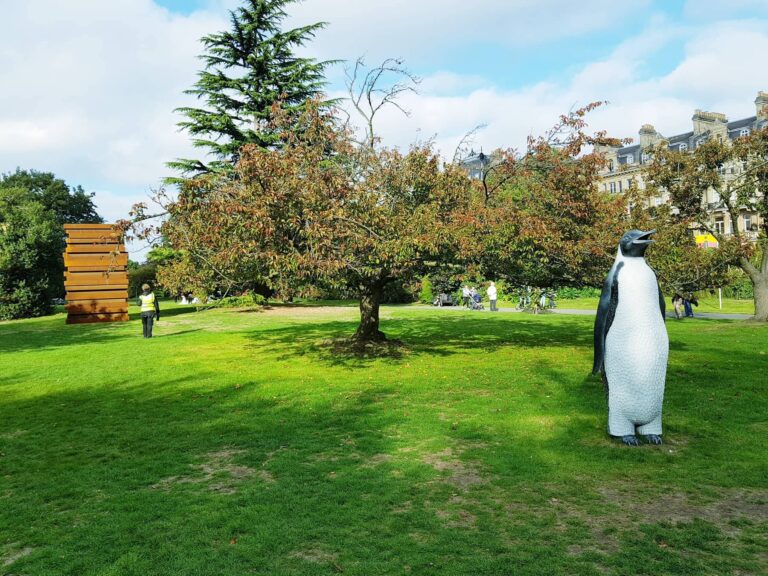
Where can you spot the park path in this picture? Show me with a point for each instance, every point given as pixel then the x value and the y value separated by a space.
pixel 704 315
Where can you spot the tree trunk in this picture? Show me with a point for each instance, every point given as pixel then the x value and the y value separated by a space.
pixel 759 278
pixel 761 298
pixel 370 299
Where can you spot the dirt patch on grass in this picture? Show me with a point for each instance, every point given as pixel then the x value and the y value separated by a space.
pixel 13 434
pixel 13 552
pixel 314 556
pixel 376 460
pixel 461 475
pixel 352 349
pixel 219 472
pixel 722 510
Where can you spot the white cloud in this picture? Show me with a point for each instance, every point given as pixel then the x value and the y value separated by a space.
pixel 715 73
pixel 417 29
pixel 90 87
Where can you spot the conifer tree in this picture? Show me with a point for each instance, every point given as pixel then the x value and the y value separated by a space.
pixel 247 69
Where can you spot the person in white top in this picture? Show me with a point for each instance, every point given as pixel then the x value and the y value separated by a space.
pixel 465 295
pixel 492 296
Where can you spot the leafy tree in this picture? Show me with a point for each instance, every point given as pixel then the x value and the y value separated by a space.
pixel 247 69
pixel 71 205
pixel 688 177
pixel 31 244
pixel 539 218
pixel 321 210
pixel 34 208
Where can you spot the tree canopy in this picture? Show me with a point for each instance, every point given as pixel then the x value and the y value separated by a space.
pixel 33 208
pixel 736 176
pixel 321 210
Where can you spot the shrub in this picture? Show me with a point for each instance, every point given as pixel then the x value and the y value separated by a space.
pixel 247 300
pixel 426 295
pixel 568 293
pixel 399 292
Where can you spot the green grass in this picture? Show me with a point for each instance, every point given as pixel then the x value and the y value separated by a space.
pixel 245 443
pixel 708 304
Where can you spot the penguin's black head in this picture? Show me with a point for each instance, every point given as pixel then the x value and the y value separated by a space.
pixel 634 242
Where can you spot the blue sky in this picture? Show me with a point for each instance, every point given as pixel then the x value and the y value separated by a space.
pixel 89 86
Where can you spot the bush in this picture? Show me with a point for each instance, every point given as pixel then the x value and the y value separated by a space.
pixel 569 293
pixel 399 292
pixel 25 302
pixel 31 263
pixel 740 289
pixel 247 300
pixel 426 295
pixel 140 275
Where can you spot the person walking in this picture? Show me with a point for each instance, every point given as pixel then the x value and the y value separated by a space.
pixel 465 295
pixel 677 304
pixel 691 299
pixel 150 309
pixel 492 295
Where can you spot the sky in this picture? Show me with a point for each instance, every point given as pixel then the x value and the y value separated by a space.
pixel 88 88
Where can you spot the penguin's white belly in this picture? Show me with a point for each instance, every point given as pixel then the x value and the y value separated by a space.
pixel 637 347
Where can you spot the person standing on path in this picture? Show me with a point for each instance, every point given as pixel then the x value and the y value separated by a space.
pixel 492 294
pixel 150 310
pixel 465 295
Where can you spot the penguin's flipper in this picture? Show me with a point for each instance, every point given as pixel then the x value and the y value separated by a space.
pixel 662 304
pixel 606 309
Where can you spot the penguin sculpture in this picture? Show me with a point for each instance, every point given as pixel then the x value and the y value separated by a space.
pixel 631 343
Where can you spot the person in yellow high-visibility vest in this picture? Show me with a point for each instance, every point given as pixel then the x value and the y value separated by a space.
pixel 150 309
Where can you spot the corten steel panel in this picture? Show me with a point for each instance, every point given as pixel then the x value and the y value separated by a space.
pixel 77 295
pixel 95 279
pixel 97 307
pixel 103 260
pixel 91 318
pixel 94 248
pixel 68 227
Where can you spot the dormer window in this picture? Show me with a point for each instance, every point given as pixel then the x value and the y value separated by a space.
pixel 683 147
pixel 630 158
pixel 744 132
pixel 645 157
pixel 610 165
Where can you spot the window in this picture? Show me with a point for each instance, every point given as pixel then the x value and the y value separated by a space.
pixel 630 158
pixel 610 165
pixel 657 201
pixel 644 158
pixel 683 147
pixel 629 183
pixel 719 226
pixel 747 223
pixel 613 187
pixel 744 132
pixel 620 190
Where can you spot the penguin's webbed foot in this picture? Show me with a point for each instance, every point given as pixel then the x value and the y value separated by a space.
pixel 630 440
pixel 653 439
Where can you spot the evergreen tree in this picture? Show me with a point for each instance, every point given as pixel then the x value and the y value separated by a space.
pixel 247 69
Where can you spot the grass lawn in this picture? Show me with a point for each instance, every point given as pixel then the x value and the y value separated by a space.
pixel 708 304
pixel 243 443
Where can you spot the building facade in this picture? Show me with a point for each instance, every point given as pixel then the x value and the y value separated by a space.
pixel 624 165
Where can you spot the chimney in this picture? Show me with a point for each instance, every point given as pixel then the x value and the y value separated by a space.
pixel 761 105
pixel 649 137
pixel 714 122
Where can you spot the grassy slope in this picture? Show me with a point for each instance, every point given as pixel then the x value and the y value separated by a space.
pixel 237 443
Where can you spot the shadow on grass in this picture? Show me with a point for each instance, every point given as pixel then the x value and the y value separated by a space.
pixel 420 335
pixel 175 476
